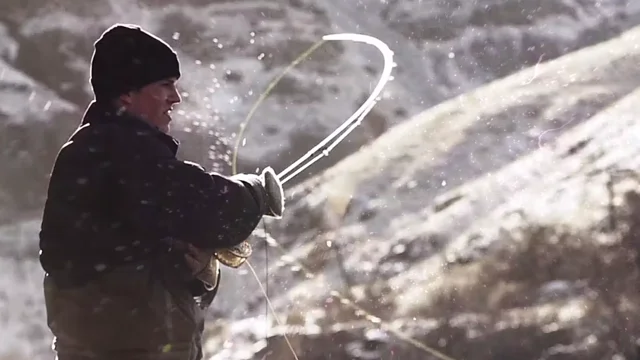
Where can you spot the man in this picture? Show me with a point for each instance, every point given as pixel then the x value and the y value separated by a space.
pixel 127 227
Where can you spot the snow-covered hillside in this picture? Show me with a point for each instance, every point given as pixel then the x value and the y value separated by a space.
pixel 555 149
pixel 231 51
pixel 429 195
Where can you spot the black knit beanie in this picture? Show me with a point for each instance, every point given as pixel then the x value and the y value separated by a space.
pixel 127 58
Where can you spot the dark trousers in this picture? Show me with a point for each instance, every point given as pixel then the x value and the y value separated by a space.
pixel 135 312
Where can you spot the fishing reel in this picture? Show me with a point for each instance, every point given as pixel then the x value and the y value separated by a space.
pixel 234 256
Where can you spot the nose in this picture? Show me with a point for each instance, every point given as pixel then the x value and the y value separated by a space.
pixel 175 97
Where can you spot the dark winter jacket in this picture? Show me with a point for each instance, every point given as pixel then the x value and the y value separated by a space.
pixel 118 202
pixel 117 194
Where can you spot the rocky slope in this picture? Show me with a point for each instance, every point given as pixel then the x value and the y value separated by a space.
pixel 34 120
pixel 231 51
pixel 454 46
pixel 418 218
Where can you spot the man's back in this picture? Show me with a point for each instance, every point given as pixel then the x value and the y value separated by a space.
pixel 85 228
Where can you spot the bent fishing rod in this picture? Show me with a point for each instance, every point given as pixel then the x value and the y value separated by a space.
pixel 324 147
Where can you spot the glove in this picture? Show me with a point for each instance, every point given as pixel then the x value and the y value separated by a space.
pixel 201 263
pixel 274 193
pixel 268 191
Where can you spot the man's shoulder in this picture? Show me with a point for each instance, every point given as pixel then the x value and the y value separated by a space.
pixel 89 136
pixel 94 131
pixel 107 132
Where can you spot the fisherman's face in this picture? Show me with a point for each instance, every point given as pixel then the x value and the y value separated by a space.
pixel 154 102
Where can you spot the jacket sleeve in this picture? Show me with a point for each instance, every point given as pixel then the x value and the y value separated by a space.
pixel 163 197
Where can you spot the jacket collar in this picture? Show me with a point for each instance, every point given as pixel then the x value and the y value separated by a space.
pixel 98 113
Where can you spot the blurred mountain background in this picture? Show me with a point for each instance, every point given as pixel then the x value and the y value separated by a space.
pixel 487 208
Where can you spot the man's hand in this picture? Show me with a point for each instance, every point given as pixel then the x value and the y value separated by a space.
pixel 275 193
pixel 203 266
pixel 196 259
pixel 268 191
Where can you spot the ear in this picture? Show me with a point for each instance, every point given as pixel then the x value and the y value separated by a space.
pixel 126 99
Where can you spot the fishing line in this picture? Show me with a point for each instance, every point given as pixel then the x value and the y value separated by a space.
pixel 358 310
pixel 263 96
pixel 273 311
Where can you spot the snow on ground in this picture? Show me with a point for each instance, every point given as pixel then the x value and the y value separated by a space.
pixel 426 184
pixel 22 315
